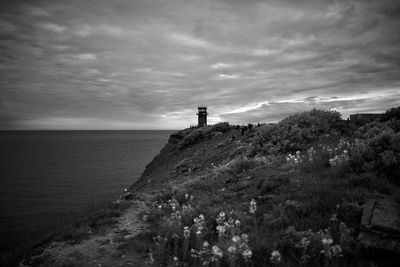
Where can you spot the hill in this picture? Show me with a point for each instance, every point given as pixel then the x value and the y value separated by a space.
pixel 294 193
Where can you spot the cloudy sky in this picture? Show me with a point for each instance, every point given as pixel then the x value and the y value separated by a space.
pixel 148 64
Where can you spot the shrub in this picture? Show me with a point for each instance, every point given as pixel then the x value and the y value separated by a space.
pixel 192 138
pixel 391 114
pixel 297 131
pixel 377 151
pixel 200 134
pixel 222 127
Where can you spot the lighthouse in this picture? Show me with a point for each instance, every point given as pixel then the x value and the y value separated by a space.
pixel 202 116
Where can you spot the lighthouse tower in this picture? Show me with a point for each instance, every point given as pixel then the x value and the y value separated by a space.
pixel 202 115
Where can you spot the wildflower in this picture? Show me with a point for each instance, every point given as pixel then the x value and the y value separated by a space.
pixel 246 254
pixel 327 241
pixel 186 196
pixel 159 207
pixel 232 249
pixel 304 243
pixel 334 217
pixel 237 223
pixel 275 256
pixel 205 244
pixel 175 259
pixel 221 217
pixel 145 217
pixel 245 238
pixel 231 221
pixel 336 250
pixel 186 232
pixel 235 238
pixel 199 223
pixel 221 229
pixel 151 258
pixel 253 206
pixel 125 190
pixel 217 253
pixel 194 253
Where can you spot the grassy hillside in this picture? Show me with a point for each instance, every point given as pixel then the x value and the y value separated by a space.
pixel 285 194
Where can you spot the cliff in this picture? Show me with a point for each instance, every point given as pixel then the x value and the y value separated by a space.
pixel 286 194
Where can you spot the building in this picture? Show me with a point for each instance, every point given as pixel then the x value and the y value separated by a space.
pixel 363 118
pixel 202 116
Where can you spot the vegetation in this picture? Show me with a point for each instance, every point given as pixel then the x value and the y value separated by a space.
pixel 292 198
pixel 284 194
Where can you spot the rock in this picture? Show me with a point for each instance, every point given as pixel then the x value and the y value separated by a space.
pixel 380 225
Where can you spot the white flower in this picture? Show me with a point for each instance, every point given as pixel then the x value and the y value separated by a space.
pixel 232 249
pixel 275 256
pixel 245 237
pixel 217 251
pixel 205 244
pixel 247 254
pixel 327 241
pixel 186 232
pixel 235 238
pixel 237 223
pixel 336 250
pixel 221 229
pixel 175 258
pixel 253 206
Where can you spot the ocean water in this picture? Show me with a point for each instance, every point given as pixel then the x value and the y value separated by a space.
pixel 45 176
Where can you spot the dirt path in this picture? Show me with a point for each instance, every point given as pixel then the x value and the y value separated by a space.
pixel 102 249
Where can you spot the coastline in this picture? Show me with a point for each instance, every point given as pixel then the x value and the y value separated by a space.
pixel 202 173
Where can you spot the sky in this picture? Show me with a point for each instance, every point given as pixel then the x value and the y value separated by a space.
pixel 148 64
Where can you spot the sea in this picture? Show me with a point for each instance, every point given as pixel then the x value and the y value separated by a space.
pixel 48 177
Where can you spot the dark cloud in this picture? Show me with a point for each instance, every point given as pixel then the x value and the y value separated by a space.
pixel 148 64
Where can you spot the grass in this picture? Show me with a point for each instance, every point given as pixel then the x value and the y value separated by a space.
pixel 308 204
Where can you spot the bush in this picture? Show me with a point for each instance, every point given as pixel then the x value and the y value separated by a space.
pixel 193 138
pixel 222 127
pixel 378 151
pixel 297 131
pixel 391 114
pixel 203 133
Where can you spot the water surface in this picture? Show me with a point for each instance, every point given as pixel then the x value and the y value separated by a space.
pixel 47 175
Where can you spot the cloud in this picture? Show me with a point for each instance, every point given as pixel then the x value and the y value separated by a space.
pixel 142 64
pixel 7 27
pixel 86 56
pixel 52 27
pixel 187 40
pixel 85 30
